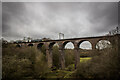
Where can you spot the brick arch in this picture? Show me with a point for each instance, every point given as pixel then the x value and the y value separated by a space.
pixel 18 45
pixel 79 43
pixel 52 44
pixel 105 40
pixel 64 44
pixel 30 44
pixel 39 46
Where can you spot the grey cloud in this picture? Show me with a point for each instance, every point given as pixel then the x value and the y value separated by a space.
pixel 11 13
pixel 47 19
pixel 0 19
pixel 106 18
pixel 60 0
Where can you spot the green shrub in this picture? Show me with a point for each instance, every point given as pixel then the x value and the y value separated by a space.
pixel 71 67
pixel 22 62
pixel 15 68
pixel 40 66
pixel 69 57
pixel 43 50
pixel 55 52
pixel 105 65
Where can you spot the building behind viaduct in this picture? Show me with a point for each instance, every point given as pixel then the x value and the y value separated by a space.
pixel 114 40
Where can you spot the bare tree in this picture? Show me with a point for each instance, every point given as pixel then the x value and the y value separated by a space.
pixel 115 31
pixel 103 44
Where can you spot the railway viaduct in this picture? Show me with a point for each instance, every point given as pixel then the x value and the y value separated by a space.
pixel 114 40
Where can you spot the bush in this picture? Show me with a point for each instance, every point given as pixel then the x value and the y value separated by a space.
pixel 55 52
pixel 22 62
pixel 105 66
pixel 71 67
pixel 69 57
pixel 14 68
pixel 40 67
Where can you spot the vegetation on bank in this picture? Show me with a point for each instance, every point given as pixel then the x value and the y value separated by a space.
pixel 31 63
pixel 104 66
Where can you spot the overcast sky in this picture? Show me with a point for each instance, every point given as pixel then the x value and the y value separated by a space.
pixel 48 19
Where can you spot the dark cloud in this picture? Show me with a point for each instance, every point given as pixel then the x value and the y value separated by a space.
pixel 60 0
pixel 47 19
pixel 12 12
pixel 0 21
pixel 105 18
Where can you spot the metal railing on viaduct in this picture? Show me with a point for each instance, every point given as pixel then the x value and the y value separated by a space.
pixel 114 40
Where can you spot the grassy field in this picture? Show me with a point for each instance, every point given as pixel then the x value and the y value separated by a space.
pixel 85 59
